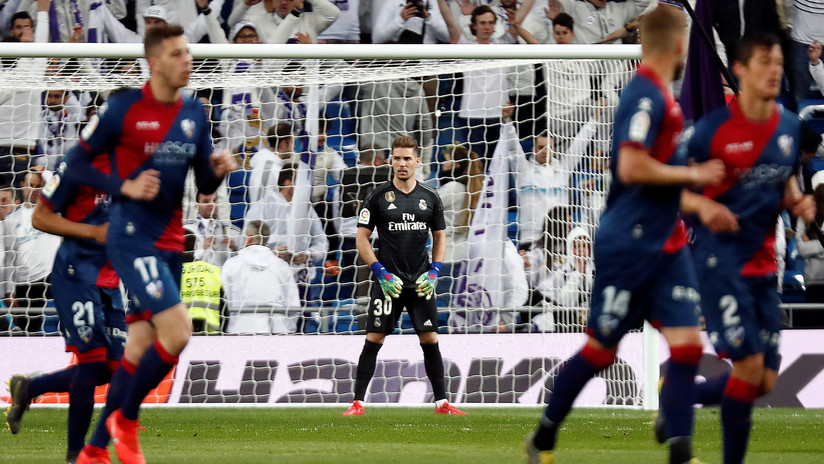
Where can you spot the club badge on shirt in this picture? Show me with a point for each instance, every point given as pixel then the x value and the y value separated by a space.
pixel 389 196
pixel 422 204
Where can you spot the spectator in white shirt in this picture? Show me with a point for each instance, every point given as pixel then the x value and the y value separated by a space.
pixel 29 255
pixel 461 183
pixel 278 211
pixel 462 10
pixel 808 28
pixel 20 112
pixel 256 279
pixel 216 240
pixel 346 29
pixel 485 92
pixel 597 19
pixel 66 13
pixel 410 22
pixel 286 21
pixel 267 162
pixel 59 127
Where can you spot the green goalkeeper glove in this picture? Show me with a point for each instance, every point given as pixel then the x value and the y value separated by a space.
pixel 391 285
pixel 426 282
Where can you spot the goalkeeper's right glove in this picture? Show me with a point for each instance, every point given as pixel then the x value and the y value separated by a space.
pixel 391 285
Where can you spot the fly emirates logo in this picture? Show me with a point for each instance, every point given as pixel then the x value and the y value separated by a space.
pixel 409 223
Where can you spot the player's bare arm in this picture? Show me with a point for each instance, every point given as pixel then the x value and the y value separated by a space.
pixel 800 205
pixel 636 166
pixel 45 219
pixel 717 217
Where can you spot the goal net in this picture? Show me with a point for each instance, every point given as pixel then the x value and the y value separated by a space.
pixel 517 147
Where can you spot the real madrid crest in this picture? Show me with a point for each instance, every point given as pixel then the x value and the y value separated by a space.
pixel 390 196
pixel 188 127
pixel 422 204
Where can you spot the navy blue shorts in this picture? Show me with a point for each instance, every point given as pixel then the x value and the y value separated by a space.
pixel 742 314
pixel 91 317
pixel 630 286
pixel 151 278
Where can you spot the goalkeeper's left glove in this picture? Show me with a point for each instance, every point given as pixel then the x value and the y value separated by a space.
pixel 425 285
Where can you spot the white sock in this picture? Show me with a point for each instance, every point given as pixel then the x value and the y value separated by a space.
pixel 440 403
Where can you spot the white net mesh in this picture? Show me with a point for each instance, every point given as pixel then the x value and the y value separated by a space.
pixel 539 128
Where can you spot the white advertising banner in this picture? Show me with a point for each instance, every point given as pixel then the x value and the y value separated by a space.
pixel 489 368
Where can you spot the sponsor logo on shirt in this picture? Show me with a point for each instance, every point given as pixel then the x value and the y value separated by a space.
pixel 363 218
pixel 170 152
pixel 739 147
pixel 409 223
pixel 147 125
pixel 765 175
pixel 639 126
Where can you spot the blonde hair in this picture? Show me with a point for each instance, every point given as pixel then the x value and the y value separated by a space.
pixel 661 30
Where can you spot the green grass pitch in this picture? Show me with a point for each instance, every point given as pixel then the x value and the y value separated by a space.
pixel 398 435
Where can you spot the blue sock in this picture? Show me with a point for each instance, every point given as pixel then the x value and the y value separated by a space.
pixel 53 382
pixel 736 418
pixel 570 381
pixel 117 388
pixel 710 392
pixel 81 402
pixel 154 365
pixel 678 391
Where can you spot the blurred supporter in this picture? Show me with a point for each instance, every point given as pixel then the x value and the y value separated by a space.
pixel 290 108
pixel 64 15
pixel 461 184
pixel 8 202
pixel 187 13
pixel 567 283
pixel 592 189
pixel 216 240
pixel 346 29
pixel 462 11
pixel 356 182
pixel 485 92
pixel 393 108
pixel 409 22
pixel 20 112
pixel 597 19
pixel 29 255
pixel 286 21
pixel 108 28
pixel 526 92
pixel 811 245
pixel 202 292
pixel 278 211
pixel 59 127
pixel 266 163
pixel 515 290
pixel 809 147
pixel 257 279
pixel 9 9
pixel 808 28
pixel 246 112
pixel 816 66
pixel 328 167
pixel 544 180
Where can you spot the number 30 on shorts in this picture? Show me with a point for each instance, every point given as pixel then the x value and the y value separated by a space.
pixel 382 307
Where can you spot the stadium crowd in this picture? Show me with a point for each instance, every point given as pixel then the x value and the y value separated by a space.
pixel 242 245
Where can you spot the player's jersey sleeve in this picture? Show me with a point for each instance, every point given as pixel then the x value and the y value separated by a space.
pixel 58 194
pixel 438 222
pixel 638 122
pixel 205 178
pixel 100 135
pixel 697 142
pixel 366 218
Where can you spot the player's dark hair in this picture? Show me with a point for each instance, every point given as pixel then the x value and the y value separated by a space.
pixel 749 43
pixel 21 15
pixel 156 36
pixel 258 230
pixel 557 223
pixel 478 11
pixel 278 133
pixel 405 142
pixel 286 173
pixel 565 20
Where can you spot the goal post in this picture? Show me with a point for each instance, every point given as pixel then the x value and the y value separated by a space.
pixel 505 330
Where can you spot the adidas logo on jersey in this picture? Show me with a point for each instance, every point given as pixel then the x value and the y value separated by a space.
pixel 428 323
pixel 392 206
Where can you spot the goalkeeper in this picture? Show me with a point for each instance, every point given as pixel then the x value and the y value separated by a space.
pixel 404 212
